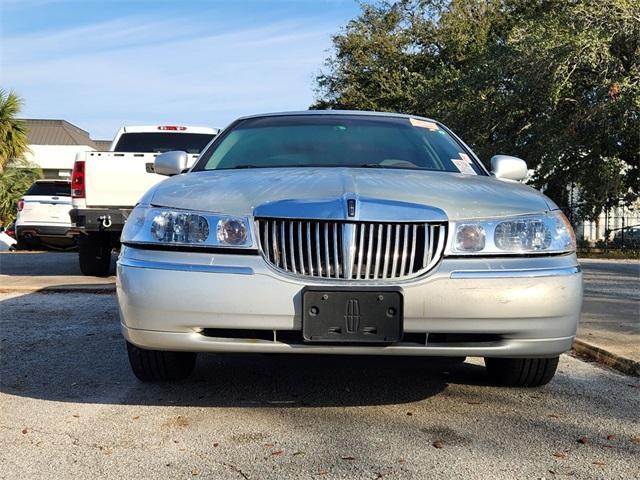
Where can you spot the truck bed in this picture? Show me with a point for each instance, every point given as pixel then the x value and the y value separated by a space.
pixel 119 179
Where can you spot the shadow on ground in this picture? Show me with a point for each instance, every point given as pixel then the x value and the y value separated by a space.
pixel 69 348
pixel 32 264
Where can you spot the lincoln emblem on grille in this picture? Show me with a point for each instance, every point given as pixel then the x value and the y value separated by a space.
pixel 351 207
pixel 352 315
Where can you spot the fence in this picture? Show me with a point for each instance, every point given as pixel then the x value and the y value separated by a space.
pixel 616 228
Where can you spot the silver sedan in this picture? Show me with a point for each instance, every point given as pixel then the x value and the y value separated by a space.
pixel 355 233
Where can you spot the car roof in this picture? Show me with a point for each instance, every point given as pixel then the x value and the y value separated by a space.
pixel 337 113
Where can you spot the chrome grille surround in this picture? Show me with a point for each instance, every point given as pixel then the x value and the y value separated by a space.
pixel 345 250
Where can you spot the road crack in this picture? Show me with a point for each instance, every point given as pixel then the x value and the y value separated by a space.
pixel 236 469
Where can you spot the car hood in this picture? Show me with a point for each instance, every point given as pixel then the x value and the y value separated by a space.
pixel 239 192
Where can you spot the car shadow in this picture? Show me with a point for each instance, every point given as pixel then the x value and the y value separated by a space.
pixel 68 348
pixel 40 263
pixel 311 381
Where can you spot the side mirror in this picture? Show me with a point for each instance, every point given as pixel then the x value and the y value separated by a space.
pixel 171 163
pixel 506 167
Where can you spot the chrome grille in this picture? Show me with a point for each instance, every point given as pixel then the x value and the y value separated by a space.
pixel 350 251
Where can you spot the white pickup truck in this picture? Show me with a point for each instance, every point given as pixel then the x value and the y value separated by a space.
pixel 105 186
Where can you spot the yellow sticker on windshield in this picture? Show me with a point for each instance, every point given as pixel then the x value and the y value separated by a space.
pixel 416 122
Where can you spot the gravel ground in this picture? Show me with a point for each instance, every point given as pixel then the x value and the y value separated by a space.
pixel 69 407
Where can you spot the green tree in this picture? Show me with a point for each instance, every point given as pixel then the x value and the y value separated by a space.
pixel 13 132
pixel 16 174
pixel 556 82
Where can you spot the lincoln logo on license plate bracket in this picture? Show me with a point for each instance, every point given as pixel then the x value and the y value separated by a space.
pixel 352 316
pixel 349 315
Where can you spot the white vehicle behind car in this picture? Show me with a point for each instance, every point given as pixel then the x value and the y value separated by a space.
pixel 107 185
pixel 6 241
pixel 43 215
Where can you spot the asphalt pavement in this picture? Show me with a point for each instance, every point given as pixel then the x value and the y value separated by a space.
pixel 29 271
pixel 610 321
pixel 71 408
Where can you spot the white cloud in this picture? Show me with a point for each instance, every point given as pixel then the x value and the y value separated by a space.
pixel 187 70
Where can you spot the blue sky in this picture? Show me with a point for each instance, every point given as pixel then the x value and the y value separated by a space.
pixel 104 64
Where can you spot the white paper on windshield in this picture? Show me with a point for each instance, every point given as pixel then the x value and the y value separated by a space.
pixel 416 122
pixel 463 166
pixel 465 157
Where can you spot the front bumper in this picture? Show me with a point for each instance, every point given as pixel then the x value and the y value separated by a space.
pixel 509 307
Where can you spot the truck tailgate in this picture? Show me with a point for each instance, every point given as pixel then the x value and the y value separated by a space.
pixel 115 179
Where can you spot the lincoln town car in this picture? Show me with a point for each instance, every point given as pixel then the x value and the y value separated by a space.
pixel 350 233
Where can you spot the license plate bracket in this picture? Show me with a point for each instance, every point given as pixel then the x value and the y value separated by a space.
pixel 346 315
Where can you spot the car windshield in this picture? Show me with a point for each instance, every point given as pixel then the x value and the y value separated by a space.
pixel 339 141
pixel 50 189
pixel 162 142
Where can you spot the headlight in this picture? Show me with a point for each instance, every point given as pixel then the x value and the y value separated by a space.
pixel 175 227
pixel 165 226
pixel 232 231
pixel 522 235
pixel 546 233
pixel 470 238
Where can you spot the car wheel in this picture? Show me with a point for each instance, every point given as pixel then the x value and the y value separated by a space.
pixel 521 372
pixel 454 360
pixel 156 365
pixel 22 245
pixel 94 252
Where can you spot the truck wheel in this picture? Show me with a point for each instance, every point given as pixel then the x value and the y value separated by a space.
pixel 521 372
pixel 95 254
pixel 23 245
pixel 155 365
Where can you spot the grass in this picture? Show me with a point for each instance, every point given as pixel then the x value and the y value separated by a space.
pixel 609 254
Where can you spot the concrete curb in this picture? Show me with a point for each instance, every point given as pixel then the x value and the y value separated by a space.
pixel 95 289
pixel 605 357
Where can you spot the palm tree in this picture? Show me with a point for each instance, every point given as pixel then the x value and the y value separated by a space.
pixel 16 174
pixel 13 132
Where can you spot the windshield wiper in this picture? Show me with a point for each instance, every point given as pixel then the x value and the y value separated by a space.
pixel 365 165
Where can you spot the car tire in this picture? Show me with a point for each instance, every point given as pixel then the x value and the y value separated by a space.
pixel 455 360
pixel 156 365
pixel 521 372
pixel 23 245
pixel 94 251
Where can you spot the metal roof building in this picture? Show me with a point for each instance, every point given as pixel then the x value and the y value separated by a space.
pixel 53 145
pixel 56 132
pixel 102 145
